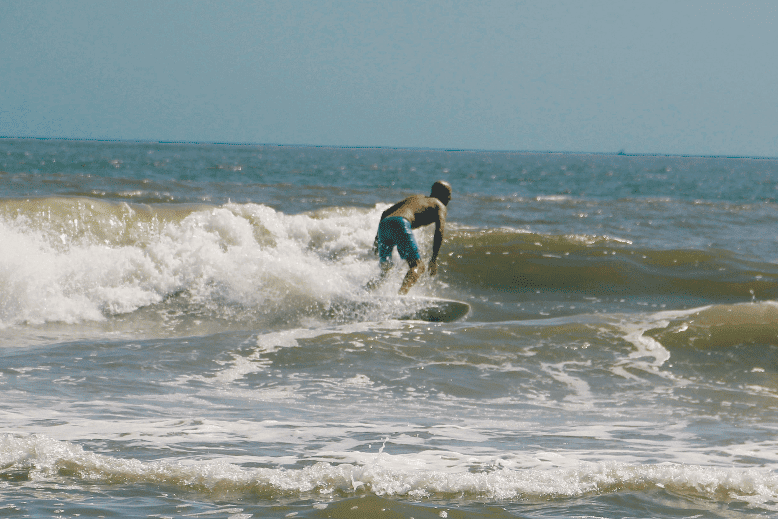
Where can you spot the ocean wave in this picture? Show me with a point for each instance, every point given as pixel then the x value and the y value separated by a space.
pixel 519 262
pixel 71 260
pixel 721 327
pixel 39 457
pixel 79 259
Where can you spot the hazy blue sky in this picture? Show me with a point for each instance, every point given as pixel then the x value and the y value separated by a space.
pixel 651 76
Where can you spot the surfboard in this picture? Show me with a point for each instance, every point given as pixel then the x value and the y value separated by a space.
pixel 416 308
pixel 435 310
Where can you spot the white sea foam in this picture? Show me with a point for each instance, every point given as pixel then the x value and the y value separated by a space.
pixel 42 457
pixel 246 255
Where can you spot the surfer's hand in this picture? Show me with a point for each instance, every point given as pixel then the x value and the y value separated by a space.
pixel 433 268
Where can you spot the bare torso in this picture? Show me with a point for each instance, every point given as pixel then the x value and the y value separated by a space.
pixel 419 210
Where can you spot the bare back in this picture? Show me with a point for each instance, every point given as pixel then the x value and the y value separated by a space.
pixel 419 210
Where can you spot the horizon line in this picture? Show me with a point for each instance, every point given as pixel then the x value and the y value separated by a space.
pixel 621 152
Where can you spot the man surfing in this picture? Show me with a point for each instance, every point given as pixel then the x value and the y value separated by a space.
pixel 395 227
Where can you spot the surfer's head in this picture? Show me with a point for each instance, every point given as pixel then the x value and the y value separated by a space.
pixel 442 191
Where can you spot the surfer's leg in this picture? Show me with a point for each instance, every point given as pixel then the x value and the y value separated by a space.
pixel 385 243
pixel 409 251
pixel 414 273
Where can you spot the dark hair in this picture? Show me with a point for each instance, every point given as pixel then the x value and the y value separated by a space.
pixel 442 191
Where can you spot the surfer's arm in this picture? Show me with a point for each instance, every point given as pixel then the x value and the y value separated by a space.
pixel 437 241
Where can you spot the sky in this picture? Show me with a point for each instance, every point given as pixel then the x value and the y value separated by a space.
pixel 667 77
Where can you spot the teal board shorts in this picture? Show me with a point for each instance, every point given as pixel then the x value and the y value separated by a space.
pixel 394 232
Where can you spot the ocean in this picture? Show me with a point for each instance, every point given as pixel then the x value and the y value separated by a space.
pixel 185 332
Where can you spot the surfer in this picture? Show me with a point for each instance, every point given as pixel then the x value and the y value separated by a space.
pixel 394 230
